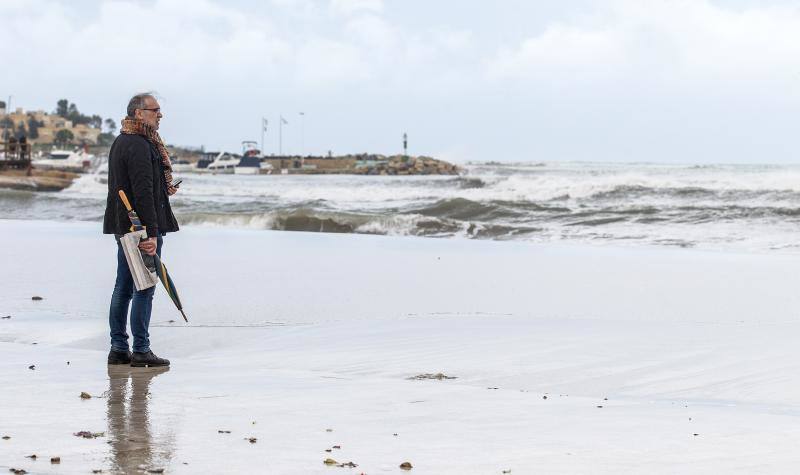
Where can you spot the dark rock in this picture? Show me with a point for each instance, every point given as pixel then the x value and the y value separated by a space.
pixel 17 471
pixel 85 395
pixel 6 437
pixel 544 397
pixel 36 298
pixel 32 367
pixel 437 376
pixel 32 456
pixel 224 431
pixel 5 318
pixel 55 459
pixel 252 440
pixel 406 466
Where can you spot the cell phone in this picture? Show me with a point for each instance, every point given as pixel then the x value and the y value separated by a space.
pixel 177 183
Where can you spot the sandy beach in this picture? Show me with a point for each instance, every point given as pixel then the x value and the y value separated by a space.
pixel 566 359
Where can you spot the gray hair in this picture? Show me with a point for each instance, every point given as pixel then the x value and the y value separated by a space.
pixel 137 102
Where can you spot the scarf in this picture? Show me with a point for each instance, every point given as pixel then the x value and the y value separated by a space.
pixel 138 127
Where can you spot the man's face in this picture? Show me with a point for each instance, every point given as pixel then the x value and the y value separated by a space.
pixel 150 114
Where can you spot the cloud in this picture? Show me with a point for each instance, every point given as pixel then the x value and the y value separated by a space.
pixel 678 42
pixel 350 7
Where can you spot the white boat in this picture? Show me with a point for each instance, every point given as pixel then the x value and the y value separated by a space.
pixel 76 161
pixel 180 165
pixel 252 162
pixel 224 163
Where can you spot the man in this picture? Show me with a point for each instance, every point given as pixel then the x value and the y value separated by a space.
pixel 139 164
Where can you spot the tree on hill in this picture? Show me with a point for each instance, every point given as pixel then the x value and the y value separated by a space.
pixel 33 128
pixel 62 108
pixel 111 126
pixel 69 111
pixel 64 137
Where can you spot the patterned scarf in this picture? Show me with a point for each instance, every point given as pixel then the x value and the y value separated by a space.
pixel 138 127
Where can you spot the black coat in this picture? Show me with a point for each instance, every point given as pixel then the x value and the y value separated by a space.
pixel 134 165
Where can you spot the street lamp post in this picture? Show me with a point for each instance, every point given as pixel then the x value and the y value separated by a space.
pixel 302 137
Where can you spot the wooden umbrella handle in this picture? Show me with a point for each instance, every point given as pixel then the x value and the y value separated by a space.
pixel 125 200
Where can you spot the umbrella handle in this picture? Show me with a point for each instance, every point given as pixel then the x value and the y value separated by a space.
pixel 124 199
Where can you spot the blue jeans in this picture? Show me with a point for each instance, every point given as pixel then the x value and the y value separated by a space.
pixel 124 291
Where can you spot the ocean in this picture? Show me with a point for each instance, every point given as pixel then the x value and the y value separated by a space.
pixel 715 207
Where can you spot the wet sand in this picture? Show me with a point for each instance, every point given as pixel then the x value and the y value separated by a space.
pixel 566 359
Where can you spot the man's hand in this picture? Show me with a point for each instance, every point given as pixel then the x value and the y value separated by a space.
pixel 172 190
pixel 149 246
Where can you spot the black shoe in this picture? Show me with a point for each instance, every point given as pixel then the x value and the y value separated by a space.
pixel 119 357
pixel 139 360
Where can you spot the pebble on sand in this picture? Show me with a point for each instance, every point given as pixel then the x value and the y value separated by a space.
pixel 6 437
pixel 55 459
pixel 32 367
pixel 17 471
pixel 31 456
pixel 406 466
pixel 252 440
pixel 36 297
pixel 330 462
pixel 437 376
pixel 85 395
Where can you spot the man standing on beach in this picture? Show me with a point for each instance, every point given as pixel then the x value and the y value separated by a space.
pixel 139 164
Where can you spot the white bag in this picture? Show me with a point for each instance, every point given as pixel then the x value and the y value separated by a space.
pixel 143 277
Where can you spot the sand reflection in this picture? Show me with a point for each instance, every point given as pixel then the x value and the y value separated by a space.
pixel 134 449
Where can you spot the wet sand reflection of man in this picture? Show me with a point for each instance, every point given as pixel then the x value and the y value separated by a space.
pixel 129 426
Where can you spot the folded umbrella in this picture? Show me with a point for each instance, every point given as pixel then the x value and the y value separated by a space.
pixel 146 270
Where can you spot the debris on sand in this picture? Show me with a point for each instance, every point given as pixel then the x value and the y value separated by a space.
pixel 85 395
pixel 328 430
pixel 337 447
pixel 507 471
pixel 36 298
pixel 31 456
pixel 32 367
pixel 55 459
pixel 6 437
pixel 437 376
pixel 17 471
pixel 252 440
pixel 89 435
pixel 6 317
pixel 223 432
pixel 330 462
pixel 156 470
pixel 348 464
pixel 328 450
pixel 97 470
pixel 406 466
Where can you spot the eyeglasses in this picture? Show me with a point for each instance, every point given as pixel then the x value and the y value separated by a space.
pixel 156 110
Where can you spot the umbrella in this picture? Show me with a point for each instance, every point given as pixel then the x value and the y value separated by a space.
pixel 160 269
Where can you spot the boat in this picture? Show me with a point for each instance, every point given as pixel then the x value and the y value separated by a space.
pixel 77 161
pixel 181 165
pixel 224 163
pixel 252 162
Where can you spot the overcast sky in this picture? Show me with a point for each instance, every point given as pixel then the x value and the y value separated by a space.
pixel 627 80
